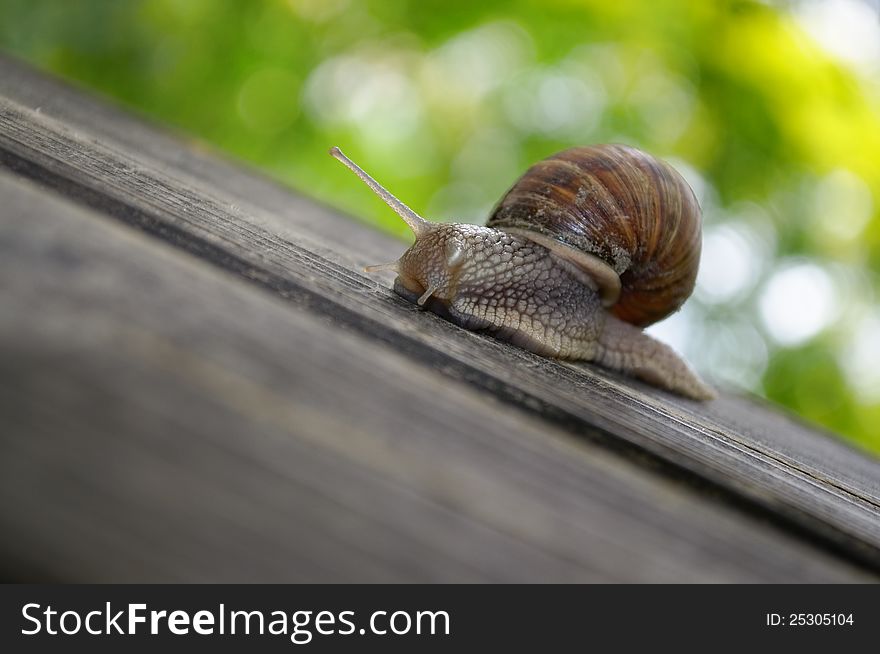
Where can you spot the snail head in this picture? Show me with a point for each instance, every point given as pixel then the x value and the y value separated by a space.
pixel 429 269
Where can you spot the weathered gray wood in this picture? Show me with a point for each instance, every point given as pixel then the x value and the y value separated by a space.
pixel 285 214
pixel 310 257
pixel 162 420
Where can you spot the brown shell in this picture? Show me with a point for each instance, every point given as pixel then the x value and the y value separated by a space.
pixel 622 205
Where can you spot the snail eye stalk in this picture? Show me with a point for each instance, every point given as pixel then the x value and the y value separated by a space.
pixel 416 223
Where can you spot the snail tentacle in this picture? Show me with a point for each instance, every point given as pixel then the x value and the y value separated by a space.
pixel 415 222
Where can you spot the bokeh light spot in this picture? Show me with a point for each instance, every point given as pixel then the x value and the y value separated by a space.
pixel 798 302
pixel 861 358
pixel 843 205
pixel 730 263
pixel 373 94
pixel 848 29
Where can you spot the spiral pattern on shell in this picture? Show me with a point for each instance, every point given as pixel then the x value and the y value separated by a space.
pixel 622 205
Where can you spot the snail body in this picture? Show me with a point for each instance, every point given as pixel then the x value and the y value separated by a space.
pixel 587 247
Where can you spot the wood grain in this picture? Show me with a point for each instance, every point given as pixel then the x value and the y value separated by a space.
pixel 163 421
pixel 750 458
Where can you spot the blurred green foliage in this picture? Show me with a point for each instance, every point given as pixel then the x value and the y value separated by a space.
pixel 447 103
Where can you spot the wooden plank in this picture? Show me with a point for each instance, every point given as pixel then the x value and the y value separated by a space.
pixel 165 421
pixel 307 255
pixel 279 211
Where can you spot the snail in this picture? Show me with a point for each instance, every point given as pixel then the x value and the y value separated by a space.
pixel 585 249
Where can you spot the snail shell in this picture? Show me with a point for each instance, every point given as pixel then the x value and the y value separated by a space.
pixel 632 212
